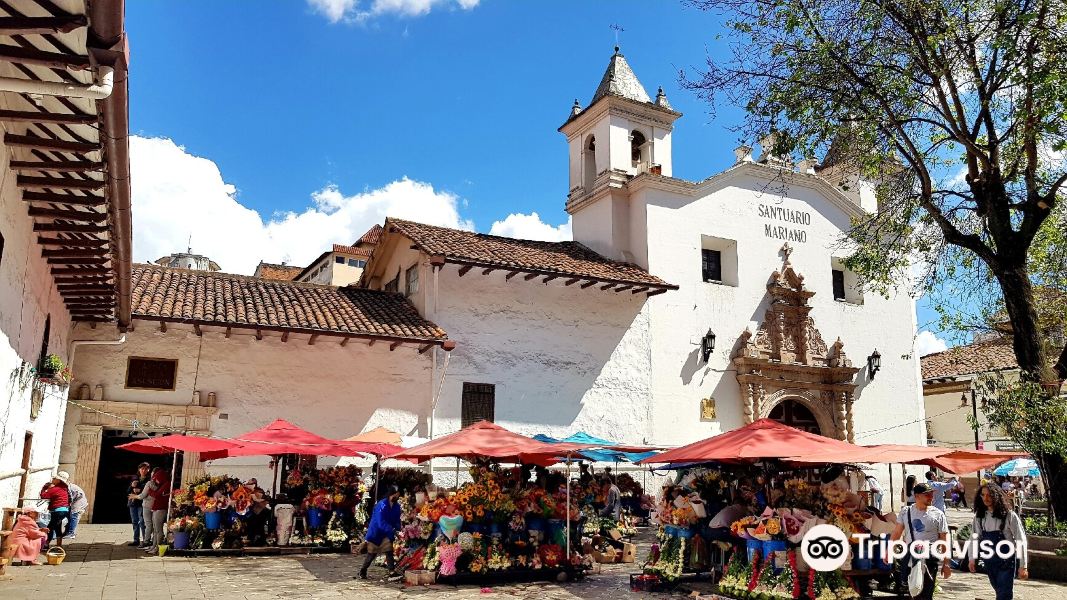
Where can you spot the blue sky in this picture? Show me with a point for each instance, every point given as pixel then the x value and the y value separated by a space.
pixel 315 113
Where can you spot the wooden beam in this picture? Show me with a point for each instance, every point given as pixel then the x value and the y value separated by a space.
pixel 81 306
pixel 488 271
pixel 510 275
pixel 86 200
pixel 394 346
pixel 228 332
pixel 463 270
pixel 196 329
pixel 75 252
pixel 425 348
pixel 90 279
pixel 69 228
pixel 84 287
pixel 530 276
pixel 67 183
pixel 638 290
pixel 89 260
pixel 35 116
pixel 657 292
pixel 549 278
pixel 311 340
pixel 163 327
pixel 74 243
pixel 81 271
pixel 285 336
pixel 70 215
pixel 344 341
pixel 32 56
pixel 92 320
pixel 51 24
pixel 32 141
pixel 588 284
pixel 63 166
pixel 371 342
pixel 573 281
pixel 607 286
pixel 622 288
pixel 259 334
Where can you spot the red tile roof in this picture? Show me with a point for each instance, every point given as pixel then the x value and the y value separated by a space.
pixel 564 258
pixel 211 298
pixel 350 250
pixel 373 236
pixel 277 272
pixel 994 355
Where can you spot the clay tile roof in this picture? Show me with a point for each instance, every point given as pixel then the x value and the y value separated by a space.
pixel 994 355
pixel 211 298
pixel 565 258
pixel 373 235
pixel 277 272
pixel 350 250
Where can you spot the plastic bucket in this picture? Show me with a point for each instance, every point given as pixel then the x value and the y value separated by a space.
pixel 181 540
pixel 861 564
pixel 315 518
pixel 777 551
pixel 213 520
pixel 753 547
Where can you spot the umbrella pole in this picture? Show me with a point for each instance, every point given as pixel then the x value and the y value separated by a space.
pixel 892 491
pixel 173 467
pixel 568 507
pixel 456 486
pixel 274 480
pixel 378 476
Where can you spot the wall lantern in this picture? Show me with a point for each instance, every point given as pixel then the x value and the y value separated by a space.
pixel 707 345
pixel 874 362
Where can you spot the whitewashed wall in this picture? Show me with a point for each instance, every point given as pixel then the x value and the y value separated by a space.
pixel 328 389
pixel 27 296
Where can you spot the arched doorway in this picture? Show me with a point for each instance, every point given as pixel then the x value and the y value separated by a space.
pixel 795 414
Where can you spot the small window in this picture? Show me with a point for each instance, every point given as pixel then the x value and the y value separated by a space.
pixel 411 280
pixel 394 285
pixel 839 285
pixel 44 340
pixel 357 263
pixel 151 373
pixel 339 260
pixel 479 403
pixel 712 265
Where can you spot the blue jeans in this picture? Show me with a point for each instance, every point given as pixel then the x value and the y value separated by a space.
pixel 72 523
pixel 58 524
pixel 137 518
pixel 1002 578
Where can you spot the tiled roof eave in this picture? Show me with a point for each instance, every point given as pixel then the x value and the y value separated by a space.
pixel 439 341
pixel 504 266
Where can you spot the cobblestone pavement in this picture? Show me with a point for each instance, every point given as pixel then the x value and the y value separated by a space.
pixel 99 565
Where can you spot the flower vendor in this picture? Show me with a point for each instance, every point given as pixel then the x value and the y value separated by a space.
pixel 384 524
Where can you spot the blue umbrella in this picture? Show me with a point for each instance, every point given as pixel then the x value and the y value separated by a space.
pixel 1019 467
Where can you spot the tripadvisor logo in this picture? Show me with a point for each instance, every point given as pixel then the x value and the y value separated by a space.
pixel 826 548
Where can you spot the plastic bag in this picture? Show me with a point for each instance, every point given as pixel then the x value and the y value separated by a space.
pixel 916 578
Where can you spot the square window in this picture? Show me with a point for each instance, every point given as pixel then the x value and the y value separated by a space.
pixel 339 260
pixel 845 285
pixel 394 285
pixel 718 260
pixel 151 373
pixel 479 403
pixel 411 280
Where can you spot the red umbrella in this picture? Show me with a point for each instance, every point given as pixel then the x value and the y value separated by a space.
pixel 282 437
pixel 171 443
pixel 762 439
pixel 952 460
pixel 487 440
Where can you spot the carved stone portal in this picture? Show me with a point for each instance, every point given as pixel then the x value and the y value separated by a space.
pixel 787 358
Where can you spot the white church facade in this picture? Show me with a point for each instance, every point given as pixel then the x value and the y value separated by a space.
pixel 681 310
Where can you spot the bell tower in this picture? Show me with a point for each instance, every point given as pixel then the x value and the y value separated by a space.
pixel 621 134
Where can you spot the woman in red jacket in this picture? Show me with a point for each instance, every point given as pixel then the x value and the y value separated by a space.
pixel 160 493
pixel 58 497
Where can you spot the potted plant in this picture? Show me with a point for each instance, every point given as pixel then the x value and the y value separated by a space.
pixel 53 370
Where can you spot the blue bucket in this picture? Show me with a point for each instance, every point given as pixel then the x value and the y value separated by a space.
pixel 861 564
pixel 678 532
pixel 315 518
pixel 213 520
pixel 753 547
pixel 181 540
pixel 535 524
pixel 780 561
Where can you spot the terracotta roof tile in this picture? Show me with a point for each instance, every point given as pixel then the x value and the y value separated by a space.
pixel 373 236
pixel 204 297
pixel 565 258
pixel 277 272
pixel 995 355
pixel 351 250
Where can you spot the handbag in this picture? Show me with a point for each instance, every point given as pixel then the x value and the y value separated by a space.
pixel 917 573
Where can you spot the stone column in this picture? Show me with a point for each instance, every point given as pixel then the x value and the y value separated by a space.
pixel 849 426
pixel 88 463
pixel 840 416
pixel 750 392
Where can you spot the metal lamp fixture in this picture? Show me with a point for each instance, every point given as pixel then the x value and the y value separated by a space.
pixel 707 345
pixel 874 362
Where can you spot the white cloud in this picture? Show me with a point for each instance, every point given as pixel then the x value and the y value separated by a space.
pixel 176 194
pixel 355 10
pixel 927 343
pixel 531 227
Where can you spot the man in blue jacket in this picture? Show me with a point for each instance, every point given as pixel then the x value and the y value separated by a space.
pixel 384 523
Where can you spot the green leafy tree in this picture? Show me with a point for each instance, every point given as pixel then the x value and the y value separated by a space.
pixel 954 111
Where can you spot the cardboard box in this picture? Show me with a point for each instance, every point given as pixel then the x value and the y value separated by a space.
pixel 615 534
pixel 608 556
pixel 629 552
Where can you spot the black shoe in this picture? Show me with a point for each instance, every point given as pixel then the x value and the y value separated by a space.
pixel 362 575
pixel 134 544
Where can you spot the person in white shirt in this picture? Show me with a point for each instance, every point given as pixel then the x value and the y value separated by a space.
pixel 78 504
pixel 923 522
pixel 876 492
pixel 994 522
pixel 719 526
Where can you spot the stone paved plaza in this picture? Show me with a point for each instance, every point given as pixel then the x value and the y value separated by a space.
pixel 99 565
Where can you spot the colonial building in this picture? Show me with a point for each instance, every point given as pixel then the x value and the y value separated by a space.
pixel 188 260
pixel 64 216
pixel 682 309
pixel 342 265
